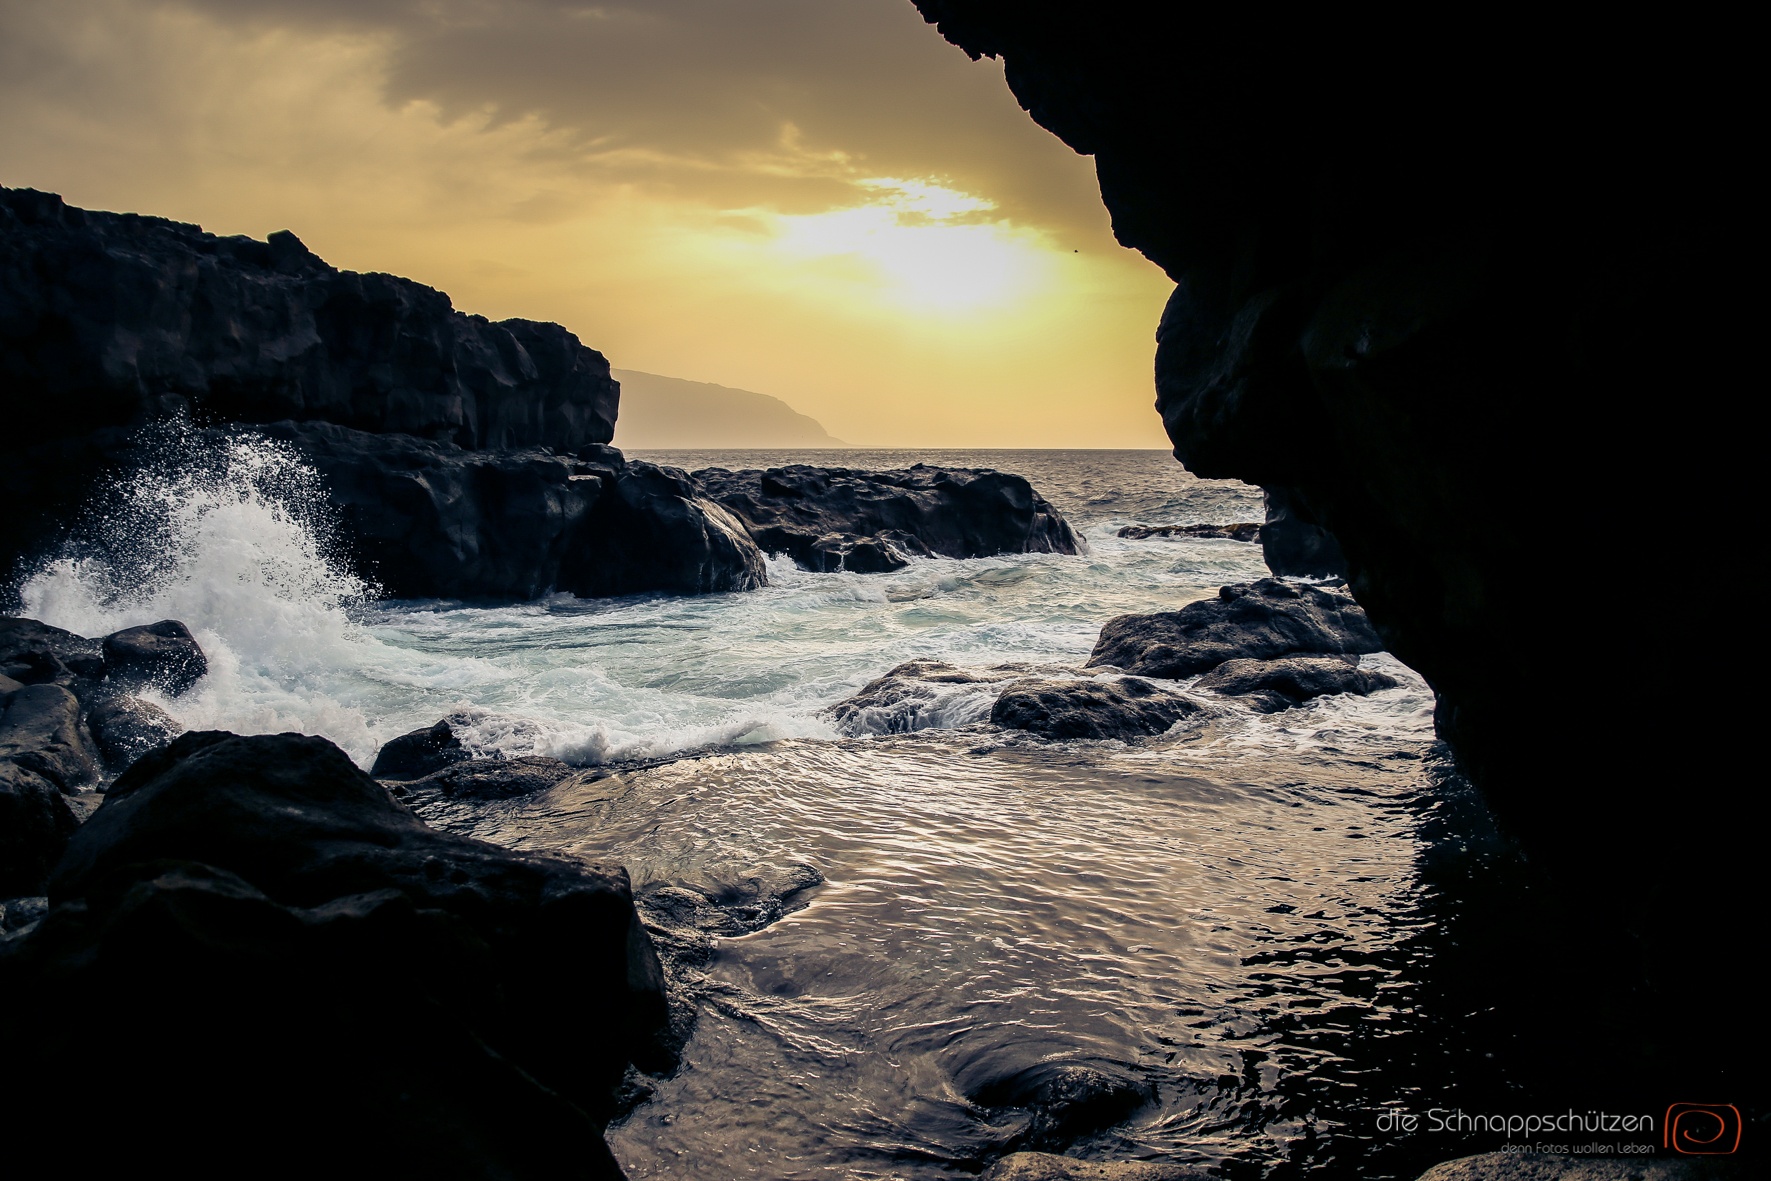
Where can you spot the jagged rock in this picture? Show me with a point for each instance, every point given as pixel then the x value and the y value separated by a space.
pixel 1122 708
pixel 124 728
pixel 1291 680
pixel 492 779
pixel 418 753
pixel 430 519
pixel 311 967
pixel 1241 531
pixel 838 518
pixel 34 653
pixel 162 654
pixel 1043 1166
pixel 1258 620
pixel 109 320
pixel 35 824
pixel 918 694
pixel 41 732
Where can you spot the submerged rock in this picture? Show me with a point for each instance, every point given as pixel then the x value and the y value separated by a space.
pixel 1241 531
pixel 126 728
pixel 162 654
pixel 418 753
pixel 1121 708
pixel 312 968
pixel 1291 680
pixel 918 694
pixel 1044 1166
pixel 1068 1098
pixel 840 518
pixel 1257 620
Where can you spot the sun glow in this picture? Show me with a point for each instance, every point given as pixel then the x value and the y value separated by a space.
pixel 924 245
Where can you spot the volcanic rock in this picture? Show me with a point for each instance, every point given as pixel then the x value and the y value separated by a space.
pixel 1242 531
pixel 1258 620
pixel 35 824
pixel 161 654
pixel 1121 708
pixel 1291 680
pixel 418 753
pixel 110 320
pixel 312 968
pixel 839 518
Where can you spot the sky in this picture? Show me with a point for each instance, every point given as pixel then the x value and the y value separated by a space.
pixel 820 200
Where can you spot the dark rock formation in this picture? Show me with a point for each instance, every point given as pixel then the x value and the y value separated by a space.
pixel 124 728
pixel 110 320
pixel 492 779
pixel 1121 708
pixel 837 518
pixel 1296 547
pixel 1067 1098
pixel 1258 620
pixel 918 694
pixel 418 753
pixel 161 654
pixel 1045 1166
pixel 429 519
pixel 19 913
pixel 34 653
pixel 35 824
pixel 1241 531
pixel 41 732
pixel 1291 680
pixel 332 984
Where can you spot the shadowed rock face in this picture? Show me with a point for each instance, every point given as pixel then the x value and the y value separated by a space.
pixel 312 967
pixel 109 320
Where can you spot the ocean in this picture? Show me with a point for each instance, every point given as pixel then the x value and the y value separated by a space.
pixel 1233 923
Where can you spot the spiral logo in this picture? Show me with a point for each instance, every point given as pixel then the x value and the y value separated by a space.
pixel 1702 1129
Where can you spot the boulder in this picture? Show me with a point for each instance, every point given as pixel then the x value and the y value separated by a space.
pixel 41 732
pixel 1044 1166
pixel 492 779
pixel 1258 620
pixel 124 728
pixel 34 653
pixel 1241 531
pixel 161 654
pixel 324 978
pixel 1119 708
pixel 839 518
pixel 919 694
pixel 109 320
pixel 428 519
pixel 418 753
pixel 35 824
pixel 1291 680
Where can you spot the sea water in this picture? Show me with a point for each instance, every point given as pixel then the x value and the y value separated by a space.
pixel 1231 917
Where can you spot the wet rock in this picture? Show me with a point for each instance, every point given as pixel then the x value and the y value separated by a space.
pixel 18 913
pixel 1241 531
pixel 41 732
pixel 1068 1099
pixel 419 753
pixel 325 974
pixel 34 653
pixel 841 518
pixel 1122 708
pixel 493 779
pixel 1292 680
pixel 1257 620
pixel 1043 1166
pixel 7 685
pixel 162 654
pixel 432 520
pixel 35 824
pixel 115 319
pixel 730 908
pixel 918 694
pixel 1537 1166
pixel 124 728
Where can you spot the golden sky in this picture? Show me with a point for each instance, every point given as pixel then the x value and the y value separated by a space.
pixel 816 199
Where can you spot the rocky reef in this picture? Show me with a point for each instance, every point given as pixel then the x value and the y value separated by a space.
pixel 111 320
pixel 1416 285
pixel 841 519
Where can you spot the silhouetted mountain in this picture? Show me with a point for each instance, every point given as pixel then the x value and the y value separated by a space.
pixel 669 412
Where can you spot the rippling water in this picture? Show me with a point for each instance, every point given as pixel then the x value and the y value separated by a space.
pixel 1227 923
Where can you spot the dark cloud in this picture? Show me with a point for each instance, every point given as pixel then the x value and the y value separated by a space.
pixel 694 95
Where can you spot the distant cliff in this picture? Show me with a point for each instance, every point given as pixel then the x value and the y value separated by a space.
pixel 670 413
pixel 109 320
